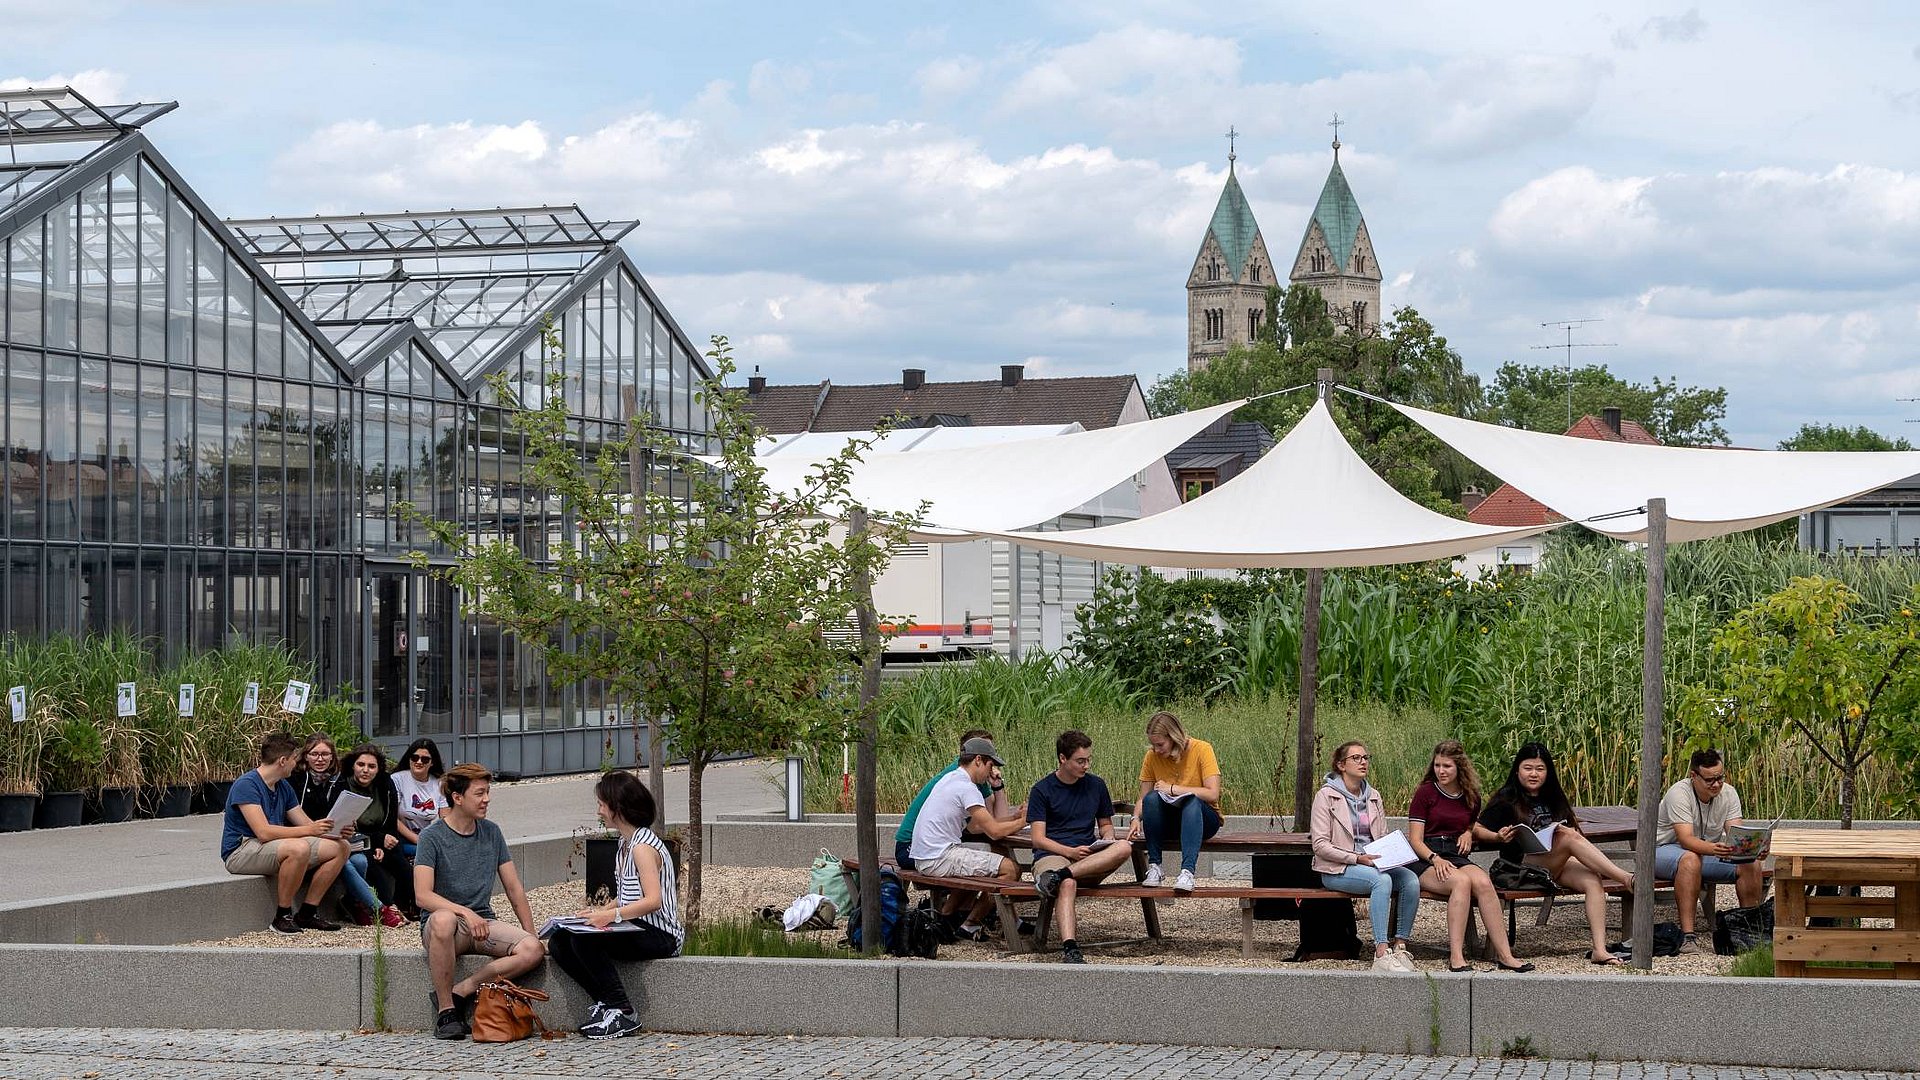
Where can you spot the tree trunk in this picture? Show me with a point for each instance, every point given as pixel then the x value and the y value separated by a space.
pixel 1305 757
pixel 1849 776
pixel 1653 738
pixel 866 768
pixel 696 855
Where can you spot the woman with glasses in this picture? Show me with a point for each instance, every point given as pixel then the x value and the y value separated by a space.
pixel 377 874
pixel 416 783
pixel 316 775
pixel 1533 799
pixel 1347 816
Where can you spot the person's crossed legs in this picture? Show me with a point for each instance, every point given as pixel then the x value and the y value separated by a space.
pixel 446 936
pixel 1090 870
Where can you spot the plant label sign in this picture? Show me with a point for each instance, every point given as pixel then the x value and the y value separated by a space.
pixel 296 697
pixel 186 699
pixel 17 703
pixel 125 702
pixel 250 704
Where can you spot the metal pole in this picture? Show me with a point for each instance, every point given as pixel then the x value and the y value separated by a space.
pixel 1653 742
pixel 636 489
pixel 1304 763
pixel 865 771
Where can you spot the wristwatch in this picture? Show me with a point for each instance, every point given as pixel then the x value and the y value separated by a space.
pixel 998 787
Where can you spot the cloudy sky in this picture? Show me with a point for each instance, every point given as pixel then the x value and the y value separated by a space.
pixel 850 189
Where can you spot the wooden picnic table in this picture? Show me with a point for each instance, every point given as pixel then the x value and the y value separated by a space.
pixel 1847 858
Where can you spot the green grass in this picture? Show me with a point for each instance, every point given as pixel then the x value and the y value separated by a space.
pixel 746 937
pixel 1753 964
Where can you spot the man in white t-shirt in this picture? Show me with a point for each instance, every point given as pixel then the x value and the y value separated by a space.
pixel 1692 835
pixel 953 807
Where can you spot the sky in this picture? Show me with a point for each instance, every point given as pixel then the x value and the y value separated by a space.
pixel 848 189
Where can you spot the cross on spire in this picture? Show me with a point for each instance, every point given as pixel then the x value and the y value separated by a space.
pixel 1335 125
pixel 1230 136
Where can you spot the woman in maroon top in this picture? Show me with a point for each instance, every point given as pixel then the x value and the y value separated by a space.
pixel 1440 826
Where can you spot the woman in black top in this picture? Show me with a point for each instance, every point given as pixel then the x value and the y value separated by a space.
pixel 377 855
pixel 1533 799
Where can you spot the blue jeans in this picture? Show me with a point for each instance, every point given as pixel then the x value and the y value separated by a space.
pixel 1187 823
pixel 353 877
pixel 1381 888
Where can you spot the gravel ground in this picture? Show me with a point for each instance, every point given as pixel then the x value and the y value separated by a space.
pixel 1204 933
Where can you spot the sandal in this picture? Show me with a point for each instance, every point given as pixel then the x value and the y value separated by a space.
pixel 1461 970
pixel 1523 966
pixel 1612 960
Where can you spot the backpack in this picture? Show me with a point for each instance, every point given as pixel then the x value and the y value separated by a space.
pixel 1740 929
pixel 893 904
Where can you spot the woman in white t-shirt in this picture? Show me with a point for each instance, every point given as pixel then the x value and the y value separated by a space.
pixel 417 783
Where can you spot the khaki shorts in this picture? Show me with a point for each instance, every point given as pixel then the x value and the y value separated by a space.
pixel 254 857
pixel 1060 862
pixel 961 861
pixel 500 940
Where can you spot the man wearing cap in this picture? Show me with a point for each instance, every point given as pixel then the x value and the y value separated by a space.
pixel 953 807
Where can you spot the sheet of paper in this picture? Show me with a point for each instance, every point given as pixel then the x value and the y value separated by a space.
pixel 1391 850
pixel 574 924
pixel 1100 842
pixel 346 810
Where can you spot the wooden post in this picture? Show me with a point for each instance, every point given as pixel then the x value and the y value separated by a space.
pixel 865 769
pixel 1304 770
pixel 1653 738
pixel 636 490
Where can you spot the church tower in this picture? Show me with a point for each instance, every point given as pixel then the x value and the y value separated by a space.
pixel 1227 289
pixel 1336 254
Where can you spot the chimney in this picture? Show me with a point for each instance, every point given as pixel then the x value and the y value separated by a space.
pixel 1011 374
pixel 912 378
pixel 756 383
pixel 1471 496
pixel 1613 418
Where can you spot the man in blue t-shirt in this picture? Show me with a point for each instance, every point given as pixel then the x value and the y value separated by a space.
pixel 266 833
pixel 1073 842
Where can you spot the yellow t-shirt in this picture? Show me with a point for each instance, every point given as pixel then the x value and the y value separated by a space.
pixel 1191 771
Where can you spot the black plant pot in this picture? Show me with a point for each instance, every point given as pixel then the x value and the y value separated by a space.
pixel 115 805
pixel 212 796
pixel 600 883
pixel 16 812
pixel 175 801
pixel 59 809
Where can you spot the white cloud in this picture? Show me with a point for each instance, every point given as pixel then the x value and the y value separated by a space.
pixel 1575 213
pixel 97 85
pixel 949 77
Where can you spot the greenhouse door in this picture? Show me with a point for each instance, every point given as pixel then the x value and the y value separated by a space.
pixel 409 655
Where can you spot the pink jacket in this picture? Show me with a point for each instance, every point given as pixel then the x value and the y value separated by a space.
pixel 1332 829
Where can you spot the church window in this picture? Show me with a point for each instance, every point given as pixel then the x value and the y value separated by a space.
pixel 1319 261
pixel 1213 269
pixel 1359 264
pixel 1256 273
pixel 1253 325
pixel 1359 313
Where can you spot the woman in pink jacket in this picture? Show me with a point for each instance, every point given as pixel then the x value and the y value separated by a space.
pixel 1347 816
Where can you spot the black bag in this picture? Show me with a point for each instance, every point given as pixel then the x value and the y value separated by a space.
pixel 1740 929
pixel 1521 877
pixel 919 934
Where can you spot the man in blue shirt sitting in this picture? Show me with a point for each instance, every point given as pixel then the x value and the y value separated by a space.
pixel 266 833
pixel 1073 843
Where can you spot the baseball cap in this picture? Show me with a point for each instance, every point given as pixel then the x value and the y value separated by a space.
pixel 983 748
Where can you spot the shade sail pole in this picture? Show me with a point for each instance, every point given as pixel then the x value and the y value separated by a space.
pixel 1304 755
pixel 866 769
pixel 1653 741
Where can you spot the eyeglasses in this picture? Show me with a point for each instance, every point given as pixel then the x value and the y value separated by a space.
pixel 1711 781
pixel 317 752
pixel 1356 757
pixel 423 759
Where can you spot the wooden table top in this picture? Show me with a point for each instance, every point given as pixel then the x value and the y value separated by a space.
pixel 1846 843
pixel 1598 823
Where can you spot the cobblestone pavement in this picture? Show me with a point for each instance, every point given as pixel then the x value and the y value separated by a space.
pixel 32 1054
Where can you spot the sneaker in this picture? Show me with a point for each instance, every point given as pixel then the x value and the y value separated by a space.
pixel 361 913
pixel 594 1012
pixel 1070 954
pixel 1689 945
pixel 391 918
pixel 612 1024
pixel 1183 883
pixel 1153 878
pixel 315 921
pixel 978 933
pixel 284 924
pixel 448 1025
pixel 1047 883
pixel 1386 964
pixel 1405 960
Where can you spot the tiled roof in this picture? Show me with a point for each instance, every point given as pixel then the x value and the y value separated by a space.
pixel 1233 227
pixel 1512 507
pixel 1244 440
pixel 1094 402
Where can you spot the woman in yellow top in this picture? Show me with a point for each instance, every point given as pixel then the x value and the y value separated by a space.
pixel 1179 797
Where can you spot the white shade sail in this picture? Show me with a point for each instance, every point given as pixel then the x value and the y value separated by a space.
pixel 1001 485
pixel 1709 492
pixel 1311 501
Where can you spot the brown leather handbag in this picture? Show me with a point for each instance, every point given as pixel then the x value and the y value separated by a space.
pixel 504 1012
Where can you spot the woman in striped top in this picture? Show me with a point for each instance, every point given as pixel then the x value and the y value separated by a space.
pixel 646 901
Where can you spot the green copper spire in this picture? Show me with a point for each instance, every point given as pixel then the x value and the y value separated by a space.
pixel 1233 227
pixel 1338 214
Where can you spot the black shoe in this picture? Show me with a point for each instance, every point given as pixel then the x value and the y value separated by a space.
pixel 448 1025
pixel 464 1003
pixel 1047 884
pixel 1070 954
pixel 978 933
pixel 313 920
pixel 284 924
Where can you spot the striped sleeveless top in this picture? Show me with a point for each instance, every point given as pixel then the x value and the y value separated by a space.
pixel 667 916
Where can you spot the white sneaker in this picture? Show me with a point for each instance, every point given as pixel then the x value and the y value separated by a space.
pixel 1405 960
pixel 1183 883
pixel 1386 964
pixel 1153 878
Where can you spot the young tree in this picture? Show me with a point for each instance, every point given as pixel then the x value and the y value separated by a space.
pixel 701 598
pixel 1805 661
pixel 1535 397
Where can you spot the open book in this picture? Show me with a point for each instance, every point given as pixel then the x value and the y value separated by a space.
pixel 1749 842
pixel 574 924
pixel 346 810
pixel 1535 841
pixel 1391 850
pixel 1100 842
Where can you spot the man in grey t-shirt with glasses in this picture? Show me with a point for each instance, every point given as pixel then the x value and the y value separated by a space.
pixel 1692 840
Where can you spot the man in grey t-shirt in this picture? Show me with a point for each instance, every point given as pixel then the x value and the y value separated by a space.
pixel 1692 838
pixel 453 874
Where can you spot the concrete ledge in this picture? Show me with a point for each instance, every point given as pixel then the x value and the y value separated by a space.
pixel 1782 1023
pixel 1320 1010
pixel 136 986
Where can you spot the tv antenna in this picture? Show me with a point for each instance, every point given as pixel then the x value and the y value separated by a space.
pixel 1567 326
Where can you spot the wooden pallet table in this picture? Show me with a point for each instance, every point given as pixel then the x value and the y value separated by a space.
pixel 1846 858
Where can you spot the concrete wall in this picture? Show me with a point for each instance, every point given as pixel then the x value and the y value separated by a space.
pixel 135 986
